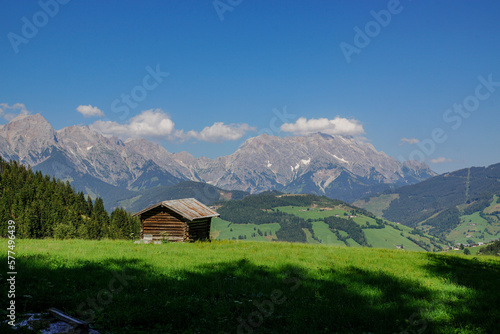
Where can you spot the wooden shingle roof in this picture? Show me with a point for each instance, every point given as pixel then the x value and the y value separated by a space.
pixel 189 208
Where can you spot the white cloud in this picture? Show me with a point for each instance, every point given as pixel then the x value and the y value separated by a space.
pixel 18 108
pixel 89 111
pixel 440 160
pixel 155 123
pixel 149 123
pixel 336 126
pixel 409 141
pixel 220 132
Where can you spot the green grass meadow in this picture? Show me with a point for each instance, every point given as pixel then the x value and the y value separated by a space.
pixel 474 226
pixel 378 204
pixel 389 237
pixel 256 287
pixel 224 230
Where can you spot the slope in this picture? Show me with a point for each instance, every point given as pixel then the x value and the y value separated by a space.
pixel 229 286
pixel 461 206
pixel 205 193
pixel 274 216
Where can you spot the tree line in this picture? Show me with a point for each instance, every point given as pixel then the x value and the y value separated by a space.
pixel 492 249
pixel 353 230
pixel 45 207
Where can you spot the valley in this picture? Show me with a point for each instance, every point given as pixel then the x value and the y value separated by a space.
pixel 460 206
pixel 250 167
pixel 314 219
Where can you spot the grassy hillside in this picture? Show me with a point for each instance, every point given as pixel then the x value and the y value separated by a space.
pixel 274 216
pixel 461 206
pixel 203 192
pixel 242 287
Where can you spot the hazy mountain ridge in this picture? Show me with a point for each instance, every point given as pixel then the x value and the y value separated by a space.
pixel 462 205
pixel 336 166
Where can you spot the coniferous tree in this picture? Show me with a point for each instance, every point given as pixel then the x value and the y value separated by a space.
pixel 99 221
pixel 47 207
pixel 90 206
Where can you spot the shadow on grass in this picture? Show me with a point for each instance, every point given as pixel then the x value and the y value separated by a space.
pixel 476 310
pixel 130 296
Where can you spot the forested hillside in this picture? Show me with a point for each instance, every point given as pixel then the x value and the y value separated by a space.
pixel 274 216
pixel 203 192
pixel 46 207
pixel 461 206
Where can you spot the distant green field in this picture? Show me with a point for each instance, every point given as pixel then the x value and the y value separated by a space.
pixel 318 213
pixel 494 207
pixel 245 287
pixel 445 201
pixel 309 236
pixel 378 204
pixel 471 227
pixel 388 237
pixel 224 230
pixel 325 235
pixel 310 213
pixel 353 243
pixel 381 238
pixel 475 228
pixel 472 250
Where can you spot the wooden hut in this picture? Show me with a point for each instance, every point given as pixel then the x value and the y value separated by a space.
pixel 176 220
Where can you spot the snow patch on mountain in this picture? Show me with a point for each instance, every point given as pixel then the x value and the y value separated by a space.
pixel 32 140
pixel 343 160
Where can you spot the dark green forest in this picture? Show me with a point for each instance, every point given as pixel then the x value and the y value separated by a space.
pixel 353 230
pixel 257 208
pixel 473 187
pixel 45 207
pixel 260 209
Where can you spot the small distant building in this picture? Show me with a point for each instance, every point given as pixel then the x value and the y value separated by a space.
pixel 399 246
pixel 179 220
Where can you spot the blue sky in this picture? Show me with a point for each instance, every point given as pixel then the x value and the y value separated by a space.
pixel 421 80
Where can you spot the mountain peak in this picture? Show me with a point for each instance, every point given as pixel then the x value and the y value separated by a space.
pixel 340 166
pixel 322 135
pixel 29 136
pixel 36 118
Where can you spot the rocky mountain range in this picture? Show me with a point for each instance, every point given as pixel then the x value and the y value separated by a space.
pixel 346 168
